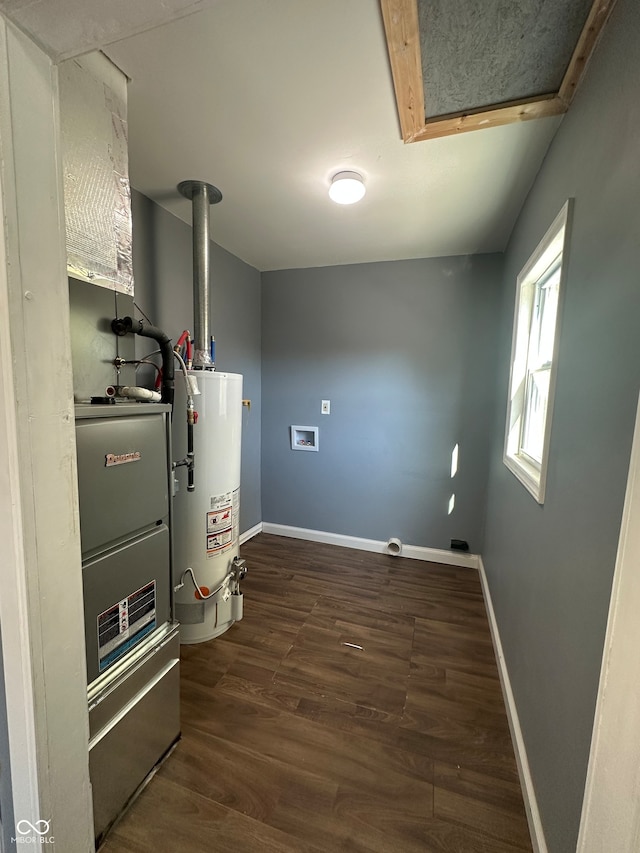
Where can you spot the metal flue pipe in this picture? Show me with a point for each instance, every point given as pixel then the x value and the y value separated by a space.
pixel 202 195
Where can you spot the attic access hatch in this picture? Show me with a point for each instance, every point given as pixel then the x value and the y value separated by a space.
pixel 462 65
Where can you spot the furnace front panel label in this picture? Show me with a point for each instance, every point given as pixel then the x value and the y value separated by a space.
pixel 112 459
pixel 125 624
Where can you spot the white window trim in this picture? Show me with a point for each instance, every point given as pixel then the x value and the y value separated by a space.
pixel 532 476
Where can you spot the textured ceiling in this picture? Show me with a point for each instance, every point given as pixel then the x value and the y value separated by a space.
pixel 267 99
pixel 65 28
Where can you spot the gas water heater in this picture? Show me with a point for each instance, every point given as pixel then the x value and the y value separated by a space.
pixel 206 519
pixel 208 569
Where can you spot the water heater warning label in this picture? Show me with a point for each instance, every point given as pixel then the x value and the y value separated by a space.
pixel 125 624
pixel 222 522
pixel 219 520
pixel 219 540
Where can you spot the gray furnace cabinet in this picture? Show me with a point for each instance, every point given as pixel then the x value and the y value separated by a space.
pixel 132 641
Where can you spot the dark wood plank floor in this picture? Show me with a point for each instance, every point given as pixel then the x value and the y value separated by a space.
pixel 355 708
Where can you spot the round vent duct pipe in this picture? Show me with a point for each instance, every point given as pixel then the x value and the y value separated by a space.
pixel 202 195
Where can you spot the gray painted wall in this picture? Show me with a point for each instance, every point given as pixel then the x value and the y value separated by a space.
pixel 405 352
pixel 162 262
pixel 550 568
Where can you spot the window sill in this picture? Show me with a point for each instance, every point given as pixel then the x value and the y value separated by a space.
pixel 531 478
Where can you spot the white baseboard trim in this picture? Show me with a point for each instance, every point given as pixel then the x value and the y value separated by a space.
pixel 526 782
pixel 414 552
pixel 249 534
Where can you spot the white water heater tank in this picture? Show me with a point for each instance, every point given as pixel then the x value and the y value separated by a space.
pixel 206 520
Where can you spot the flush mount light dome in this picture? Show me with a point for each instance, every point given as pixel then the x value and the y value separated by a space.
pixel 346 188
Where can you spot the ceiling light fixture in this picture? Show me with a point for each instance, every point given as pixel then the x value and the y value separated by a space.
pixel 346 188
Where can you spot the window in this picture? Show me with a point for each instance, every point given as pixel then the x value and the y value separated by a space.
pixel 534 359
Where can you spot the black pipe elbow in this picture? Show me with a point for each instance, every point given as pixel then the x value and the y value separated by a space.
pixel 124 325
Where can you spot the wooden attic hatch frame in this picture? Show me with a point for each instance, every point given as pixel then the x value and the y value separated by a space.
pixel 435 51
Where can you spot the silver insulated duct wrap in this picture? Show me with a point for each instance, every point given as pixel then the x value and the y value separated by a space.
pixel 202 195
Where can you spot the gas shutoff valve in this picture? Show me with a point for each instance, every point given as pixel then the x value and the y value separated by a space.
pixel 239 569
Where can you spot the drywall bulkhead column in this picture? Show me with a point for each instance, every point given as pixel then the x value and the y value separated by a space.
pixel 41 604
